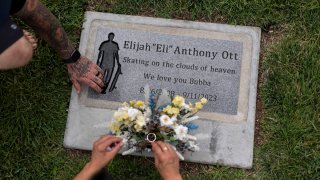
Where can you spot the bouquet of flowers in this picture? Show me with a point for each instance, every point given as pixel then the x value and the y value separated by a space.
pixel 159 117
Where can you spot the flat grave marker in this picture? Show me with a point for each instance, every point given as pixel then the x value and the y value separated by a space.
pixel 192 59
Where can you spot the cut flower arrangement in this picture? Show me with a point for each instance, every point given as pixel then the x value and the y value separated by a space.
pixel 159 117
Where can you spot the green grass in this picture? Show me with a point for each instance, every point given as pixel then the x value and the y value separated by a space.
pixel 34 99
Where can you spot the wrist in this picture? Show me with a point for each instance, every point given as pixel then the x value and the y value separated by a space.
pixel 172 177
pixel 92 167
pixel 73 58
pixel 87 172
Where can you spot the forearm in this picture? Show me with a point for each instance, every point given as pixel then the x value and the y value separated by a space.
pixel 36 15
pixel 173 177
pixel 86 173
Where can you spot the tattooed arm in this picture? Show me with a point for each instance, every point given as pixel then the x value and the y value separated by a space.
pixel 36 15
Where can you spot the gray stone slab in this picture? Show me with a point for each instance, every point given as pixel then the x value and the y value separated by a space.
pixel 193 59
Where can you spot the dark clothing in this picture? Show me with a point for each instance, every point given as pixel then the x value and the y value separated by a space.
pixel 16 5
pixel 9 31
pixel 110 50
pixel 102 175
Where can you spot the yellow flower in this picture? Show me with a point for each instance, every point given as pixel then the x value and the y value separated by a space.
pixel 199 105
pixel 131 103
pixel 115 127
pixel 125 104
pixel 178 101
pixel 194 110
pixel 137 128
pixel 171 110
pixel 139 104
pixel 141 121
pixel 175 111
pixel 127 121
pixel 203 100
pixel 122 116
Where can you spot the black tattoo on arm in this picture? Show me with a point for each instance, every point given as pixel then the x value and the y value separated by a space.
pixel 82 68
pixel 36 15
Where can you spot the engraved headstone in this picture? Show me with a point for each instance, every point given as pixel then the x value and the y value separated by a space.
pixel 191 59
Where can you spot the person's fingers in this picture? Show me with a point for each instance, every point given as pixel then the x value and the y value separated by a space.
pixel 164 147
pixel 26 33
pixel 156 160
pixel 94 71
pixel 98 69
pixel 30 37
pixel 93 77
pixel 34 46
pixel 91 84
pixel 111 146
pixel 97 142
pixel 95 86
pixel 100 76
pixel 97 75
pixel 93 81
pixel 98 81
pixel 170 149
pixel 108 142
pixel 156 149
pixel 76 85
pixel 102 139
pixel 116 149
pixel 104 136
pixel 31 40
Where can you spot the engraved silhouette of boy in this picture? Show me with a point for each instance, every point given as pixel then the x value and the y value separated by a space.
pixel 108 54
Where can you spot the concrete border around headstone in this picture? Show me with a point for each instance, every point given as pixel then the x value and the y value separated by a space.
pixel 225 143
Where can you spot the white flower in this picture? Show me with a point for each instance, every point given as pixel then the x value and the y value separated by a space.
pixel 147 114
pixel 185 106
pixel 123 109
pixel 125 136
pixel 181 132
pixel 190 137
pixel 129 151
pixel 141 121
pixel 193 146
pixel 132 112
pixel 167 121
pixel 174 118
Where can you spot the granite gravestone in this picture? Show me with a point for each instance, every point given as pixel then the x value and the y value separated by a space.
pixel 191 59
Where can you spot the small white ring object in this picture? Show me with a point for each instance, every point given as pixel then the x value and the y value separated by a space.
pixel 152 134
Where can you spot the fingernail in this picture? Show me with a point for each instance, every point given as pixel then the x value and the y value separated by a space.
pixel 109 149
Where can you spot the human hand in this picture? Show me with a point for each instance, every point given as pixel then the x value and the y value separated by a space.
pixel 104 149
pixel 166 160
pixel 85 71
pixel 31 39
